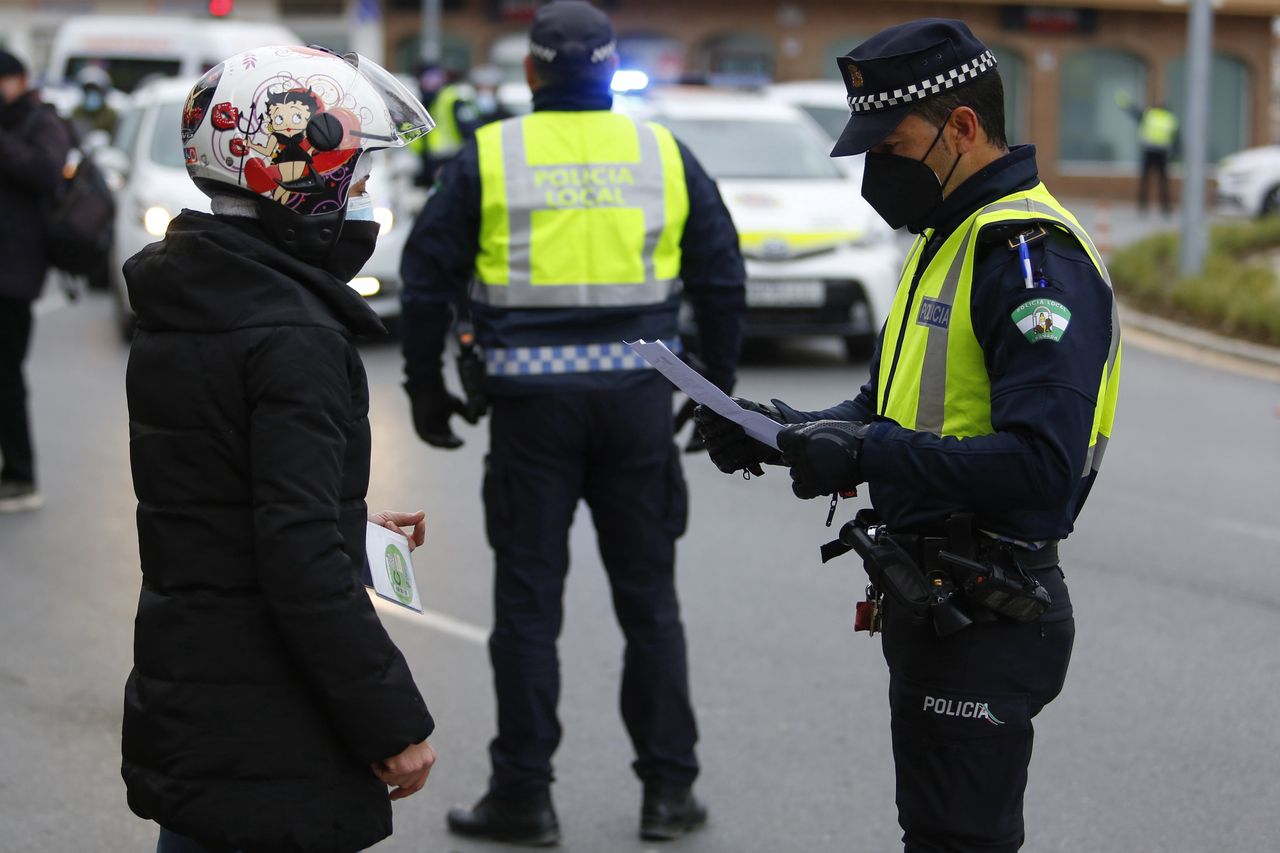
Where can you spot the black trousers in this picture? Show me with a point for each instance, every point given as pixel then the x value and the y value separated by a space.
pixel 15 430
pixel 1155 162
pixel 961 709
pixel 614 450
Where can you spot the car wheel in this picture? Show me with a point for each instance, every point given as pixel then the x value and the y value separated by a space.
pixel 1270 203
pixel 858 347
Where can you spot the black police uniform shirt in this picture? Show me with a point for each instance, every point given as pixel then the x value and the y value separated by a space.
pixel 1024 480
pixel 439 259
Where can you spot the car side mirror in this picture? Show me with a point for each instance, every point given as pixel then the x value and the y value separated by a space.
pixel 114 164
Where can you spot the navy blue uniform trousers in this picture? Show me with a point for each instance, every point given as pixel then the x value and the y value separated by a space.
pixel 614 450
pixel 961 709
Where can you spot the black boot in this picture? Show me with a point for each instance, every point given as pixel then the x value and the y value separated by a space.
pixel 669 811
pixel 525 818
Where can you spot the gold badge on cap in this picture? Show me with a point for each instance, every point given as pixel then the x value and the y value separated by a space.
pixel 855 77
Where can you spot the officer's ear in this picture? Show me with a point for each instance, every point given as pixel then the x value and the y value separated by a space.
pixel 967 130
pixel 531 74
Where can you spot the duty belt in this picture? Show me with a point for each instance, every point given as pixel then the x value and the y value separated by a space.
pixel 567 358
pixel 924 550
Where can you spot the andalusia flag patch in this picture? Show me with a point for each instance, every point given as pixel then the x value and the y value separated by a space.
pixel 1042 320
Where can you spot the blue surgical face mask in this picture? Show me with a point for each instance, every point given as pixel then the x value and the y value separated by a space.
pixel 360 208
pixel 92 101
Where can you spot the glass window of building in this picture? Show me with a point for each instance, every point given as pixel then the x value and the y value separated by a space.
pixel 1013 74
pixel 455 53
pixel 1229 115
pixel 840 47
pixel 738 55
pixel 1092 127
pixel 657 55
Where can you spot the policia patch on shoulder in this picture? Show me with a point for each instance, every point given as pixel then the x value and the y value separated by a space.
pixel 1042 319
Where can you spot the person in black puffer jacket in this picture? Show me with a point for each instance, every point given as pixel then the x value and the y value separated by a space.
pixel 33 149
pixel 267 710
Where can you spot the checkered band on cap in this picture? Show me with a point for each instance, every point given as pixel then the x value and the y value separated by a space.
pixel 963 73
pixel 549 54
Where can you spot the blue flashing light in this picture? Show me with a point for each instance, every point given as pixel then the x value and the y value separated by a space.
pixel 629 80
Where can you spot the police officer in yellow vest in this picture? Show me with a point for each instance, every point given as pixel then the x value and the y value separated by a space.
pixel 1157 133
pixel 577 229
pixel 458 119
pixel 979 432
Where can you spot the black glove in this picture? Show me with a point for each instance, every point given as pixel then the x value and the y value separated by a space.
pixel 825 457
pixel 729 446
pixel 432 406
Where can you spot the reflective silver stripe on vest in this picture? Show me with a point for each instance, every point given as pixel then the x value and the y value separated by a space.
pixel 524 197
pixel 931 404
pixel 567 358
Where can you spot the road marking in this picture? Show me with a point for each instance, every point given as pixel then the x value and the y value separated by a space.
pixel 441 622
pixel 1267 534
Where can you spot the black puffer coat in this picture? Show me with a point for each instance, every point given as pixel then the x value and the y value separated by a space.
pixel 263 683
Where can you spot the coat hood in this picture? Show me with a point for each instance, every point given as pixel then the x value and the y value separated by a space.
pixel 218 274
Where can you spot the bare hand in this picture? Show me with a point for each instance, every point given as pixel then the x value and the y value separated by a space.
pixel 407 772
pixel 411 525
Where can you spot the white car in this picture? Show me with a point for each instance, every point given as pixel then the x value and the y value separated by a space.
pixel 145 163
pixel 1249 181
pixel 825 101
pixel 819 260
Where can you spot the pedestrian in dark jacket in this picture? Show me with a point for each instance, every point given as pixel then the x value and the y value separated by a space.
pixel 33 148
pixel 267 710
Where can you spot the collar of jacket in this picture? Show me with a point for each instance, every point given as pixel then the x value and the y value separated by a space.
pixel 1014 171
pixel 16 111
pixel 571 98
pixel 219 273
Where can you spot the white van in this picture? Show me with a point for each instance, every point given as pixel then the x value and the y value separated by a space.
pixel 134 48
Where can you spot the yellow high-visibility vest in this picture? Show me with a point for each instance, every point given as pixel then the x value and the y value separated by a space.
pixel 940 383
pixel 1158 127
pixel 579 209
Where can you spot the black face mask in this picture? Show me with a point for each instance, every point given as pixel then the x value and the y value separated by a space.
pixel 903 190
pixel 352 249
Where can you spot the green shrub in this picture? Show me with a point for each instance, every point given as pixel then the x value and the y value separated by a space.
pixel 1237 294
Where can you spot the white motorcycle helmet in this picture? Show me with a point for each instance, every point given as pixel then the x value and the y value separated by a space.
pixel 288 126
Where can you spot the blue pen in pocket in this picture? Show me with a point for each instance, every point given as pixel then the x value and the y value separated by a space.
pixel 1025 255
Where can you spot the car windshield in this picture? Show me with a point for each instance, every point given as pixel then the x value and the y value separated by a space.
pixel 127 73
pixel 749 148
pixel 166 140
pixel 832 119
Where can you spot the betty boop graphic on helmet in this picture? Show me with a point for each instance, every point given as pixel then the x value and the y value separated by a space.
pixel 288 124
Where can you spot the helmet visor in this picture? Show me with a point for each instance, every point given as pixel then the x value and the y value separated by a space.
pixel 407 117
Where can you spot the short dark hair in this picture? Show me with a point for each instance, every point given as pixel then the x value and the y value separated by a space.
pixel 306 97
pixel 580 75
pixel 985 96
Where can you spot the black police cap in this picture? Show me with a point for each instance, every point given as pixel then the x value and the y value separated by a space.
pixel 571 32
pixel 891 72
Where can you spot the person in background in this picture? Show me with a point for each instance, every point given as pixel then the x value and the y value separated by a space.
pixel 450 103
pixel 93 114
pixel 33 149
pixel 1158 134
pixel 267 708
pixel 485 80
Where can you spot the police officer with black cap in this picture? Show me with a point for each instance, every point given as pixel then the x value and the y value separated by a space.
pixel 979 433
pixel 582 229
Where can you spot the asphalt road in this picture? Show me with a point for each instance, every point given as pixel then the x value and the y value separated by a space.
pixel 1164 740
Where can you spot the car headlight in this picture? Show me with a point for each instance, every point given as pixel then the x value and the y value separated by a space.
pixel 386 219
pixel 156 220
pixel 366 285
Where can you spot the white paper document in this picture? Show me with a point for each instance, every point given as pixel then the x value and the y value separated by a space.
pixel 391 567
pixel 699 388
